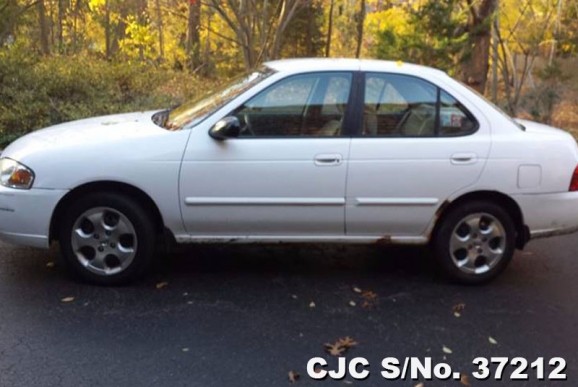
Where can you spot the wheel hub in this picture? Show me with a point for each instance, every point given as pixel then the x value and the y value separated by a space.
pixel 104 241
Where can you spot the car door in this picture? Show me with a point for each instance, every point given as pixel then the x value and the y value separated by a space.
pixel 284 175
pixel 416 146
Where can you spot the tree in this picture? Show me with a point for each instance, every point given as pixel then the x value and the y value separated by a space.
pixel 476 63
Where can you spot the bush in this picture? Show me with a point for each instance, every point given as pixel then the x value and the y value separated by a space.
pixel 36 92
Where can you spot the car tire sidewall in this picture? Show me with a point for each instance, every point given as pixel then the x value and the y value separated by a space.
pixel 141 222
pixel 442 239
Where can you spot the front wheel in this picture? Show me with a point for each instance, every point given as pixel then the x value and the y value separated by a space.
pixel 475 242
pixel 107 239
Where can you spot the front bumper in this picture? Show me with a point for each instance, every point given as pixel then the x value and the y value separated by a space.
pixel 25 215
pixel 548 215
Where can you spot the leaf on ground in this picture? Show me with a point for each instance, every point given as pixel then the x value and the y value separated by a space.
pixel 369 295
pixel 357 290
pixel 492 340
pixel 347 342
pixel 50 264
pixel 347 382
pixel 185 349
pixel 334 349
pixel 162 285
pixel 457 315
pixel 352 303
pixel 67 299
pixel 465 380
pixel 293 376
pixel 420 385
pixel 447 350
pixel 294 296
pixel 312 304
pixel 458 309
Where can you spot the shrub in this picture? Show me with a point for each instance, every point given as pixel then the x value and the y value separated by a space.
pixel 36 92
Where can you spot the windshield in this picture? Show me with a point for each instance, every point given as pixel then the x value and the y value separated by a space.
pixel 193 112
pixel 496 107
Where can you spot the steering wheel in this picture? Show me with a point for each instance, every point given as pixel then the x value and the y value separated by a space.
pixel 246 129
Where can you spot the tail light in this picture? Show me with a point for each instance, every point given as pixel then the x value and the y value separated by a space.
pixel 574 181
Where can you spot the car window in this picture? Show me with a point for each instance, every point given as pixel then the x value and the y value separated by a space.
pixel 401 105
pixel 310 105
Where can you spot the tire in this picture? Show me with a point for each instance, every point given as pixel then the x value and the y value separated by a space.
pixel 475 242
pixel 107 239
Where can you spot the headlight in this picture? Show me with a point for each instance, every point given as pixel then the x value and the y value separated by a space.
pixel 15 175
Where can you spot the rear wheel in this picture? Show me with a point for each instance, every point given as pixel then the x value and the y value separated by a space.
pixel 107 239
pixel 475 242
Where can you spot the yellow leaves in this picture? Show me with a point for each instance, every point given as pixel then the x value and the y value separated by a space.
pixel 447 350
pixel 465 380
pixel 67 300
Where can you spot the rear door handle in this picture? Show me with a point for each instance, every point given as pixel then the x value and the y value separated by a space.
pixel 328 160
pixel 464 158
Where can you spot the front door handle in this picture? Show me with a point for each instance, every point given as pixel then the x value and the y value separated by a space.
pixel 328 160
pixel 464 158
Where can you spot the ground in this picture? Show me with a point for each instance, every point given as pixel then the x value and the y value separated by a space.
pixel 243 316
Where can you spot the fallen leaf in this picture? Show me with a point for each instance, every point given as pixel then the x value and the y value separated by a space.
pixel 293 376
pixel 447 350
pixel 492 340
pixel 369 295
pixel 419 385
pixel 50 264
pixel 162 285
pixel 67 299
pixel 185 350
pixel 185 294
pixel 457 315
pixel 357 290
pixel 465 380
pixel 347 342
pixel 347 382
pixel 352 303
pixel 312 304
pixel 294 296
pixel 459 308
pixel 365 304
pixel 190 302
pixel 334 349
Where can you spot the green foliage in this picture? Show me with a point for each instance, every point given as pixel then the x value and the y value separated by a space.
pixel 433 35
pixel 38 92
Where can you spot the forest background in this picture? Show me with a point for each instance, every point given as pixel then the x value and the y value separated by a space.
pixel 62 60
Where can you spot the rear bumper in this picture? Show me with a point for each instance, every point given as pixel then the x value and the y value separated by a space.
pixel 25 215
pixel 548 215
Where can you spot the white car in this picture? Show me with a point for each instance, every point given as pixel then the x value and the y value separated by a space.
pixel 312 150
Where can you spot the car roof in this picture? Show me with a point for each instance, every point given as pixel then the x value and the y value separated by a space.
pixel 345 64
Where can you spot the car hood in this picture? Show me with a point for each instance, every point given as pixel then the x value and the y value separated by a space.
pixel 91 131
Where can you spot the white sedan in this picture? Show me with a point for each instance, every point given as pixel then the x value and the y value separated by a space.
pixel 313 150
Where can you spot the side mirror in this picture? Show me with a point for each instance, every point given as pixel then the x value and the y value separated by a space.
pixel 228 127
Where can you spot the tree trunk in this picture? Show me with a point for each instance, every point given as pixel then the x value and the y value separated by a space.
pixel 43 28
pixel 329 30
pixel 193 35
pixel 360 22
pixel 107 42
pixel 61 16
pixel 161 31
pixel 475 68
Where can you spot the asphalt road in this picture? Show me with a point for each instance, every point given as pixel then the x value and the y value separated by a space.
pixel 242 316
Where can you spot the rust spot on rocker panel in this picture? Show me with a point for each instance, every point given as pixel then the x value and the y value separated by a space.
pixel 385 240
pixel 441 209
